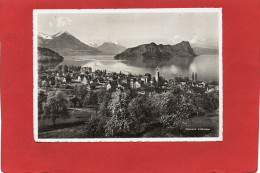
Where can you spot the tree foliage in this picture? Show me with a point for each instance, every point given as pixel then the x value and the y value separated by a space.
pixel 211 101
pixel 142 108
pixel 55 106
pixel 91 98
pixel 121 123
pixel 178 107
pixel 104 98
pixel 65 69
pixel 80 92
pixel 95 128
pixel 41 99
pixel 41 69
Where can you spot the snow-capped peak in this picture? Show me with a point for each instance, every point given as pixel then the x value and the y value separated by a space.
pixel 45 36
pixel 115 42
pixel 60 33
pixel 91 44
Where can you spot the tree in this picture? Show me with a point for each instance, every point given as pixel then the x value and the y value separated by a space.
pixel 55 106
pixel 104 98
pixel 102 94
pixel 41 69
pixel 141 108
pixel 90 99
pixel 56 85
pixel 178 109
pixel 161 81
pixel 131 93
pixel 41 99
pixel 197 103
pixel 103 108
pixel 40 83
pixel 121 123
pixel 95 128
pixel 211 101
pixel 60 67
pixel 158 102
pixel 65 68
pixel 68 78
pixel 80 92
pixel 143 112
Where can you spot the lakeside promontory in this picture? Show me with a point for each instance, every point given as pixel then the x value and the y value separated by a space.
pixel 48 56
pixel 156 53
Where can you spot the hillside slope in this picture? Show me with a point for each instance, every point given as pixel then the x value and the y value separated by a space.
pixel 48 56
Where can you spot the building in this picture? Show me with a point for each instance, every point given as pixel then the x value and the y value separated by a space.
pixel 125 81
pixel 63 79
pixel 86 69
pixel 157 75
pixel 84 81
pixel 79 78
pixel 137 84
pixel 111 86
pixel 132 83
pixel 146 78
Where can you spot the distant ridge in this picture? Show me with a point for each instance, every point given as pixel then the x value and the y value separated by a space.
pixel 111 48
pixel 205 51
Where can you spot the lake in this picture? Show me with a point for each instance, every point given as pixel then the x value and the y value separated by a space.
pixel 206 66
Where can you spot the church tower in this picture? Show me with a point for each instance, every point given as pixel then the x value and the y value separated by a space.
pixel 157 75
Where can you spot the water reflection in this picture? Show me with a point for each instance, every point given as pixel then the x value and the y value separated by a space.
pixel 183 62
pixel 206 66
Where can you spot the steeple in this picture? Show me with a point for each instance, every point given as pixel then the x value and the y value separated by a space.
pixel 157 75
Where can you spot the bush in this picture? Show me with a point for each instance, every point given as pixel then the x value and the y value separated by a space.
pixel 95 128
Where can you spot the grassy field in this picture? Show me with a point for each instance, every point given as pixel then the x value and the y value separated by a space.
pixel 201 126
pixel 76 117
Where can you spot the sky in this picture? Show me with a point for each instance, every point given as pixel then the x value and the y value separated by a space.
pixel 132 29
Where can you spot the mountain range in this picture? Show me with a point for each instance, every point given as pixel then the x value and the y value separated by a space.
pixel 67 45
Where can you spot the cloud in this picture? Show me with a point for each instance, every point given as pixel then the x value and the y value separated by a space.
pixel 196 39
pixel 51 24
pixel 176 39
pixel 60 22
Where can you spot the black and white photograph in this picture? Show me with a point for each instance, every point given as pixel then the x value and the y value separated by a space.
pixel 128 75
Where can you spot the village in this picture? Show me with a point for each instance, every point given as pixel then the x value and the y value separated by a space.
pixel 95 96
pixel 66 78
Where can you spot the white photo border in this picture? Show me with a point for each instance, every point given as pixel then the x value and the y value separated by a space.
pixel 147 10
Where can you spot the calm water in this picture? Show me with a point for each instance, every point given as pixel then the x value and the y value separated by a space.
pixel 206 66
